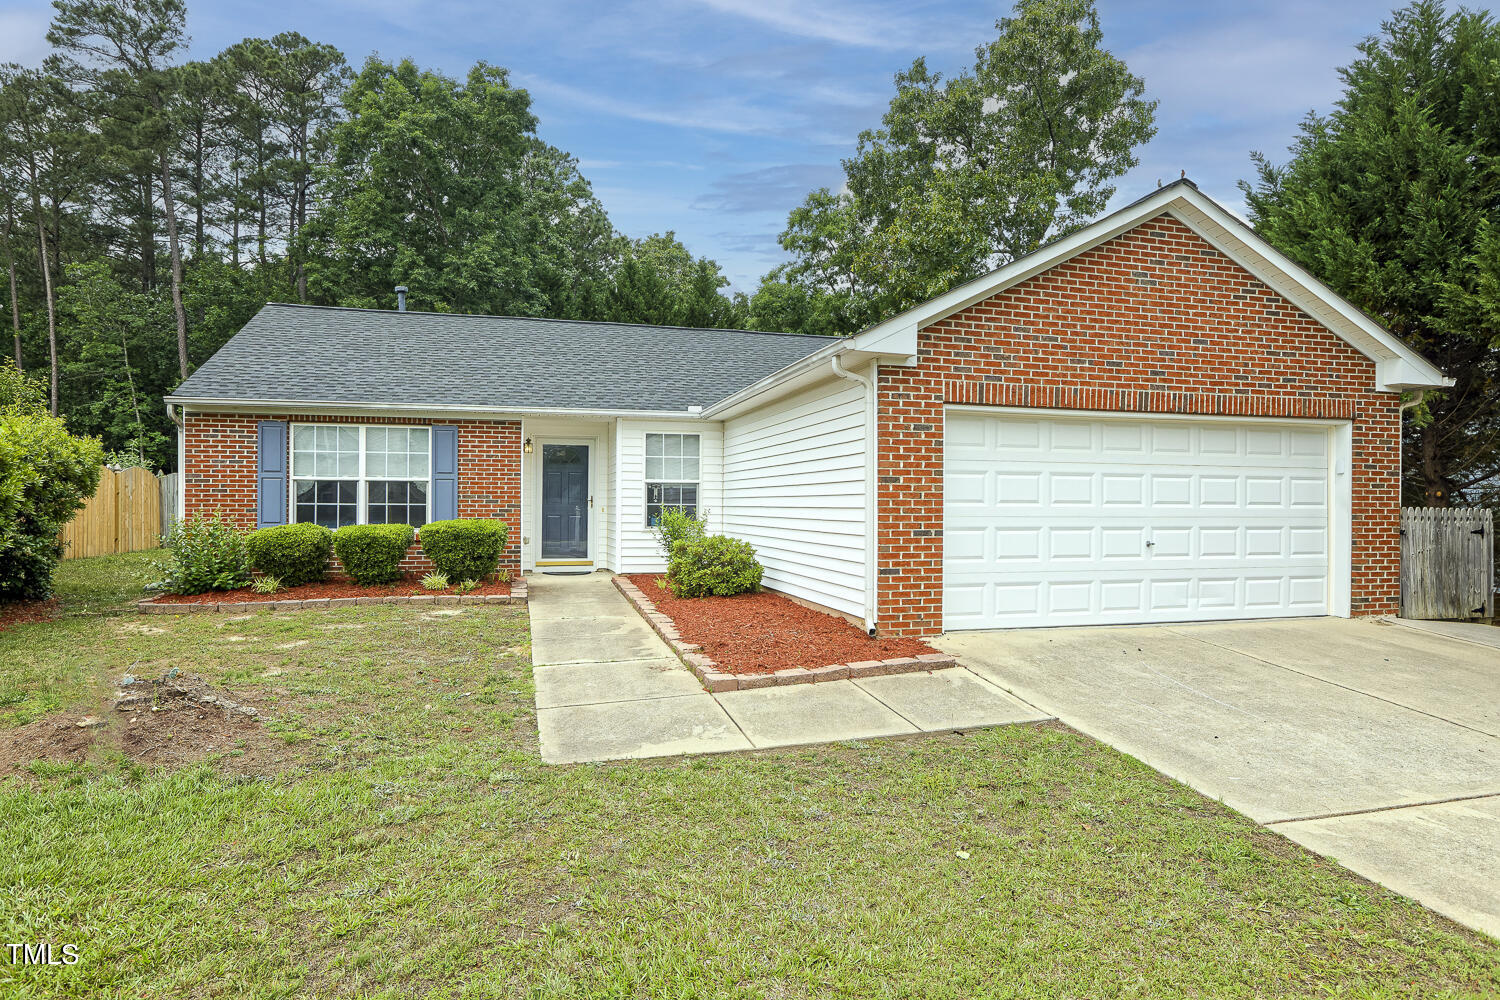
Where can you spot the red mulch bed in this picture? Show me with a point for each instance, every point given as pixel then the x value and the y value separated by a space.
pixel 409 587
pixel 759 633
pixel 21 612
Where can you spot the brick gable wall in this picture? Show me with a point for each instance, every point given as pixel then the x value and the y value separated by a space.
pixel 1153 321
pixel 220 471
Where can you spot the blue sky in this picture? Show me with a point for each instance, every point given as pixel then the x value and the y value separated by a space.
pixel 714 118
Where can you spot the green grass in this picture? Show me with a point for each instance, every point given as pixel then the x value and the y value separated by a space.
pixel 412 845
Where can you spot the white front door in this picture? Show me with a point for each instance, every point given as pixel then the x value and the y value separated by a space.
pixel 1053 520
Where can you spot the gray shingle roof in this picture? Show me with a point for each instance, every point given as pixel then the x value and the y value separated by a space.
pixel 322 354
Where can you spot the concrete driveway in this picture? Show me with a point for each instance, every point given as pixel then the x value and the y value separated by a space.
pixel 1372 742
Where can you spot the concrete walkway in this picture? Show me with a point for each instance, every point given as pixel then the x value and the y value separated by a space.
pixel 1374 743
pixel 608 688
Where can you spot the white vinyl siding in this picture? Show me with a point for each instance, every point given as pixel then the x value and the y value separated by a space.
pixel 794 487
pixel 637 548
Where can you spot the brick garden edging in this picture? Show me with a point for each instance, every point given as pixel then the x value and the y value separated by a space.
pixel 718 681
pixel 517 595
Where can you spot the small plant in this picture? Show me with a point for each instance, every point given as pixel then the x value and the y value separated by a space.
pixel 674 525
pixel 466 548
pixel 293 553
pixel 435 581
pixel 372 553
pixel 714 566
pixel 205 553
pixel 503 575
pixel 465 586
pixel 266 585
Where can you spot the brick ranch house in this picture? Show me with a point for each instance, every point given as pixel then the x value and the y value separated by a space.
pixel 1157 418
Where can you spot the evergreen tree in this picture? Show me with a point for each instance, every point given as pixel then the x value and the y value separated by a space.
pixel 1392 199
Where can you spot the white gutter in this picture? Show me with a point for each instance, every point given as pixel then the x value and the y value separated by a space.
pixel 872 547
pixel 178 416
pixel 306 405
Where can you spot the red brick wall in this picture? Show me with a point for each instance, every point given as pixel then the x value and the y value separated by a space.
pixel 219 471
pixel 1157 321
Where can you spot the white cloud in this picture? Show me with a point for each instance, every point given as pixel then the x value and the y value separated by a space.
pixel 713 114
pixel 862 26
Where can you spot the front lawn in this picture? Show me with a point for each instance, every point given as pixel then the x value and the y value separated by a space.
pixel 386 830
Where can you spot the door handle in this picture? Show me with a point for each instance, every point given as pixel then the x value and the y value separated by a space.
pixel 1150 544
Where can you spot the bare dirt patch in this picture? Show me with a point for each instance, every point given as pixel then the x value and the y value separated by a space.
pixel 758 633
pixel 170 722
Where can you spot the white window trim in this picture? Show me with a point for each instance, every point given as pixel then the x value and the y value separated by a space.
pixel 361 482
pixel 646 481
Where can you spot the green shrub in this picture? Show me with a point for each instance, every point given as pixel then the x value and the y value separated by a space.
pixel 371 553
pixel 293 553
pixel 466 548
pixel 713 566
pixel 266 585
pixel 674 525
pixel 435 581
pixel 46 476
pixel 205 553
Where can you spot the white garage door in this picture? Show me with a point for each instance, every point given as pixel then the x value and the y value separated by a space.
pixel 1068 521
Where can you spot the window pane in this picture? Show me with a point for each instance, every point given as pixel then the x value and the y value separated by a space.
pixel 689 468
pixel 654 468
pixel 348 439
pixel 349 465
pixel 398 503
pixel 672 468
pixel 330 504
pixel 690 445
pixel 420 436
pixel 375 438
pixel 417 464
pixel 375 464
pixel 653 444
pixel 673 443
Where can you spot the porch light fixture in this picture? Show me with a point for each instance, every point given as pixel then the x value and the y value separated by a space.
pixel 526 447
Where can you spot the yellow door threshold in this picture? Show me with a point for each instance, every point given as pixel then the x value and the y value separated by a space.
pixel 565 562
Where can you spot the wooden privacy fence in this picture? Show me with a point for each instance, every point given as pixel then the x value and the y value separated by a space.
pixel 1447 563
pixel 124 515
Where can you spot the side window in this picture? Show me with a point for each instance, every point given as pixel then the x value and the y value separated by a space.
pixel 672 474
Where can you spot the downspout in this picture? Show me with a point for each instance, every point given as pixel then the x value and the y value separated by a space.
pixel 178 416
pixel 872 547
pixel 1400 429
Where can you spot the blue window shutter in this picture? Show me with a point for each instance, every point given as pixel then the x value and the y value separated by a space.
pixel 270 508
pixel 444 473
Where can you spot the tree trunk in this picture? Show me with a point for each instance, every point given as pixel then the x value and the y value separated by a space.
pixel 15 298
pixel 1434 483
pixel 176 253
pixel 41 236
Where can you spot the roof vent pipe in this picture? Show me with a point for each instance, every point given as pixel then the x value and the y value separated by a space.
pixel 401 298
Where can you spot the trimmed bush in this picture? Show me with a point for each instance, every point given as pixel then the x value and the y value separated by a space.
pixel 466 548
pixel 674 525
pixel 371 553
pixel 205 553
pixel 713 566
pixel 293 553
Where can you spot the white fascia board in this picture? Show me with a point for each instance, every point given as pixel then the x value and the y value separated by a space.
pixel 345 408
pixel 1240 243
pixel 906 324
pixel 1221 230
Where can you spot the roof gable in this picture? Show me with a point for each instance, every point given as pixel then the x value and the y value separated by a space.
pixel 1397 366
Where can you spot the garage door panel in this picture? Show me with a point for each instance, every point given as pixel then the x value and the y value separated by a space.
pixel 1074 521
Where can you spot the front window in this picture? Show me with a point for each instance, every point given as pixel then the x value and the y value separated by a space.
pixel 672 465
pixel 345 474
